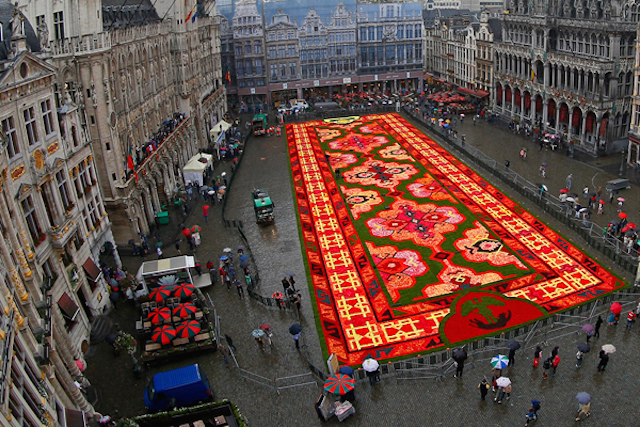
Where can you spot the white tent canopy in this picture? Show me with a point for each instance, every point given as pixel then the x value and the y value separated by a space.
pixel 194 169
pixel 222 126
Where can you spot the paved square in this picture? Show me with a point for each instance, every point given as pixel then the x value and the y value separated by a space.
pixel 410 251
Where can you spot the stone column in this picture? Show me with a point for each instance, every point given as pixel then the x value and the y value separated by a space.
pixel 583 128
pixel 570 127
pixel 545 113
pixel 557 126
pixel 69 387
pixel 546 75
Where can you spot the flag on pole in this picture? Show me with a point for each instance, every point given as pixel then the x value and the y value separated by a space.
pixel 228 77
pixel 195 15
pixel 191 13
pixel 533 74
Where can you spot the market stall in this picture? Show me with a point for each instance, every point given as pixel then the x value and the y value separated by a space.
pixel 195 169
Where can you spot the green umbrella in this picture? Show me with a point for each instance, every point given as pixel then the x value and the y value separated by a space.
pixel 339 384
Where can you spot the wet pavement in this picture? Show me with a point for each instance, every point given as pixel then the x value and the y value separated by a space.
pixel 393 402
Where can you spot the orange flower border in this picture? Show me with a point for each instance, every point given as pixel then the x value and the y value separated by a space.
pixel 354 314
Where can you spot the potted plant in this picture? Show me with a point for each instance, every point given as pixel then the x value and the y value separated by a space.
pixel 125 342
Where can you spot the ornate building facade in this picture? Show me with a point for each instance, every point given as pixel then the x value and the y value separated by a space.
pixel 568 68
pixel 128 77
pixel 53 223
pixel 283 56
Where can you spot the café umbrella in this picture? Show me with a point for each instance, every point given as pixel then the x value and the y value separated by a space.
pixel 339 384
pixel 184 290
pixel 184 310
pixel 159 294
pixel 159 315
pixel 196 229
pixel 163 334
pixel 188 329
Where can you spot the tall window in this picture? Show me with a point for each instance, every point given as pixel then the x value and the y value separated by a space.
pixel 257 47
pixel 9 129
pixel 58 25
pixel 29 211
pixel 47 117
pixel 30 125
pixel 292 69
pixel 61 180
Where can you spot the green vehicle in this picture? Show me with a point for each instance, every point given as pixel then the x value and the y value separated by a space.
pixel 263 206
pixel 259 124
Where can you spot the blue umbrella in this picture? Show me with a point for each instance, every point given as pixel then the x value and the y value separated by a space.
pixel 295 329
pixel 583 398
pixel 243 257
pixel 499 361
pixel 224 258
pixel 347 370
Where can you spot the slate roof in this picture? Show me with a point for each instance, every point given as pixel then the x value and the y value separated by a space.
pixel 6 13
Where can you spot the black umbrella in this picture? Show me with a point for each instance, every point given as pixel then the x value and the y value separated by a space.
pixel 584 347
pixel 459 354
pixel 513 345
pixel 295 329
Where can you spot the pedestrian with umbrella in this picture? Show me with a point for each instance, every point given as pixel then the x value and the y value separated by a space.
pixel 372 368
pixel 459 356
pixel 532 415
pixel 584 400
pixel 504 388
pixel 582 349
pixel 295 330
pixel 616 309
pixel 537 354
pixel 205 212
pixel 512 345
pixel 588 329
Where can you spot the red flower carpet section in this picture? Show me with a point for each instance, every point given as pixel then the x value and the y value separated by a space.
pixel 410 251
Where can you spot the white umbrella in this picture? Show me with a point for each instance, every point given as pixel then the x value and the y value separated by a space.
pixel 370 365
pixel 227 250
pixel 609 349
pixel 503 382
pixel 570 199
pixel 583 210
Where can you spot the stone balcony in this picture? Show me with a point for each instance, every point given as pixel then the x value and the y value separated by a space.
pixel 81 45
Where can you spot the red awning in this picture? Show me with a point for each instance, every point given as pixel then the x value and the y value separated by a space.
pixel 518 98
pixel 476 93
pixel 92 269
pixel 538 105
pixel 508 95
pixel 68 306
pixel 564 113
pixel 527 100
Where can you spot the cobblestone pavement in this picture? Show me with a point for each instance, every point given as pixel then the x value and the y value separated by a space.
pixel 393 402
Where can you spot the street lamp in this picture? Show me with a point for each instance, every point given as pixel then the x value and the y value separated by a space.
pixel 622 162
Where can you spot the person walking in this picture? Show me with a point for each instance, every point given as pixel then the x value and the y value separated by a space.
pixel 229 341
pixel 631 317
pixel 296 338
pixel 292 283
pixel 512 356
pixel 285 284
pixel 579 356
pixel 537 354
pixel 177 244
pixel 159 252
pixel 555 363
pixel 496 373
pixel 459 357
pixel 239 288
pixel 205 212
pixel 585 192
pixel 604 360
pixel 569 181
pixel 585 409
pixel 532 415
pixel 484 388
pixel 596 331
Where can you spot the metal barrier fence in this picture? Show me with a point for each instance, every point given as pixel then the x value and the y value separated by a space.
pixel 321 115
pixel 595 235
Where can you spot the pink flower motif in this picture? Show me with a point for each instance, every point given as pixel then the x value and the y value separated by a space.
pixel 379 173
pixel 358 143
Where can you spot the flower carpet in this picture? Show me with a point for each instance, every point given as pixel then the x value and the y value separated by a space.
pixel 410 251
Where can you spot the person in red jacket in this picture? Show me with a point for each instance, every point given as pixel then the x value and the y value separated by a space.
pixel 631 317
pixel 556 362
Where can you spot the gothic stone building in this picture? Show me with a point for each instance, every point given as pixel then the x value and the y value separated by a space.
pixel 567 67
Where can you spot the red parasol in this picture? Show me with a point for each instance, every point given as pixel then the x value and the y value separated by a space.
pixel 622 215
pixel 184 310
pixel 564 191
pixel 159 294
pixel 188 329
pixel 601 201
pixel 186 232
pixel 159 315
pixel 616 308
pixel 184 290
pixel 163 334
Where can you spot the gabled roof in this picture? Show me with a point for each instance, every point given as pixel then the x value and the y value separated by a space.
pixel 127 13
pixel 496 28
pixel 36 68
